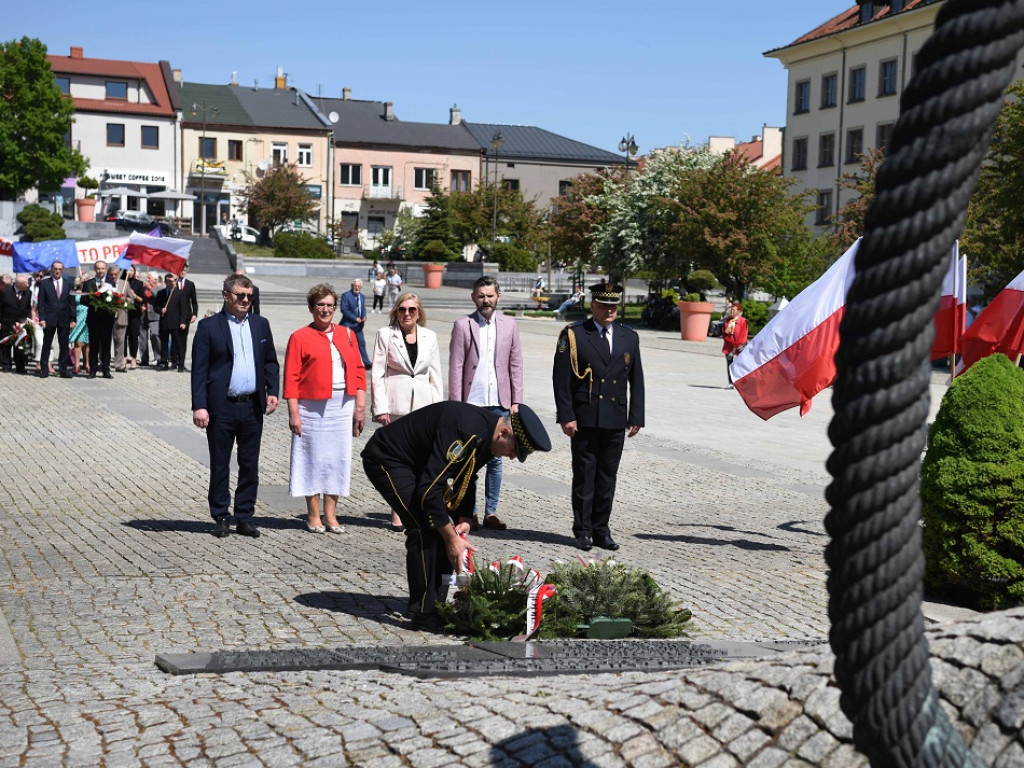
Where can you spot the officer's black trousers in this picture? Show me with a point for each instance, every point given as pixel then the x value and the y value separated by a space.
pixel 595 465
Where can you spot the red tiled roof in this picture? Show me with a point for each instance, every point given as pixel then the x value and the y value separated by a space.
pixel 751 150
pixel 152 74
pixel 773 165
pixel 851 18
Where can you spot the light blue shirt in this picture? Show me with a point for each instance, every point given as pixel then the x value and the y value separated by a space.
pixel 243 369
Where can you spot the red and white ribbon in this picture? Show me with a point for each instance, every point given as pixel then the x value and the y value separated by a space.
pixel 516 561
pixel 534 605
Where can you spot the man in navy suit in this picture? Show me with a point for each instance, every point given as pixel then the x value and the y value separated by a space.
pixel 353 315
pixel 100 322
pixel 57 312
pixel 235 381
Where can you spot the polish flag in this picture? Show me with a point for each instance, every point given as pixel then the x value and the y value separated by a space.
pixel 998 328
pixel 949 319
pixel 791 359
pixel 167 253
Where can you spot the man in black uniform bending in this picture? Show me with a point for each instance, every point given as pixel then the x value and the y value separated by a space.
pixel 596 361
pixel 425 465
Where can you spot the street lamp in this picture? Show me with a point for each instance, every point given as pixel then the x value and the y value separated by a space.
pixel 196 110
pixel 497 142
pixel 628 147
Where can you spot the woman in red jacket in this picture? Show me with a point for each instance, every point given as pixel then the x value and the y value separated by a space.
pixel 734 336
pixel 325 387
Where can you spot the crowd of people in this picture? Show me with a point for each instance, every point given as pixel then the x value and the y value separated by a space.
pixel 425 456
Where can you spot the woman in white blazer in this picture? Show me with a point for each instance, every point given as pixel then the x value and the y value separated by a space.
pixel 406 368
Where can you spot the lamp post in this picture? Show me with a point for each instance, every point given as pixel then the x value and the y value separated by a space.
pixel 196 110
pixel 497 142
pixel 629 148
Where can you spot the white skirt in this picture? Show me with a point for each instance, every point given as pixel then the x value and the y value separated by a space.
pixel 322 455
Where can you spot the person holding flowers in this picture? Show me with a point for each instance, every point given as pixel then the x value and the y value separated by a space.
pixel 15 310
pixel 99 320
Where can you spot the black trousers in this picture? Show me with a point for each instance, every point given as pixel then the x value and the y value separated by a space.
pixel 595 467
pixel 179 344
pixel 101 334
pixel 426 560
pixel 63 332
pixel 134 326
pixel 240 423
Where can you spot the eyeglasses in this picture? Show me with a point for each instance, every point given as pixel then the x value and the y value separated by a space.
pixel 325 306
pixel 240 296
pixel 408 310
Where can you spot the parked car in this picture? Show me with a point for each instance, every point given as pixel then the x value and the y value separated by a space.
pixel 137 221
pixel 243 234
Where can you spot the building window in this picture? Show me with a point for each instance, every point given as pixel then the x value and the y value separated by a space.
pixel 460 181
pixel 799 154
pixel 802 97
pixel 854 145
pixel 305 155
pixel 823 214
pixel 115 134
pixel 380 179
pixel 208 148
pixel 565 188
pixel 883 134
pixel 64 83
pixel 117 90
pixel 887 73
pixel 150 137
pixel 279 153
pixel 858 79
pixel 828 90
pixel 234 149
pixel 350 175
pixel 510 185
pixel 826 150
pixel 423 178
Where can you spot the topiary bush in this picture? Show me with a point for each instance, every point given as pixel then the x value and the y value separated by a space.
pixel 40 224
pixel 436 252
pixel 972 489
pixel 702 281
pixel 301 245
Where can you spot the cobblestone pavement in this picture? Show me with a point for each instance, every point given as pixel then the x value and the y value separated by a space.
pixel 106 559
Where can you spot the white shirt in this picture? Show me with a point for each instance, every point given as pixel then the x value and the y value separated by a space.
pixel 337 365
pixel 484 389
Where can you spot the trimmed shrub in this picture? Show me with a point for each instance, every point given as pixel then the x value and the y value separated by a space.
pixel 513 259
pixel 436 252
pixel 972 489
pixel 756 313
pixel 40 224
pixel 301 245
pixel 701 281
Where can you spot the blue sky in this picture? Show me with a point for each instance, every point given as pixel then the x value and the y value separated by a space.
pixel 663 70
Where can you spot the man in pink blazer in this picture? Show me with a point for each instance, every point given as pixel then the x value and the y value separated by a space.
pixel 485 367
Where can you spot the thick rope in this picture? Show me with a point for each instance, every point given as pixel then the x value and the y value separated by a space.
pixel 881 392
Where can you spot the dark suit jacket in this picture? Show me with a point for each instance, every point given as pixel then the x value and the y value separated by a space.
pixel 54 311
pixel 351 304
pixel 187 289
pixel 178 310
pixel 255 306
pixel 12 309
pixel 598 399
pixel 213 357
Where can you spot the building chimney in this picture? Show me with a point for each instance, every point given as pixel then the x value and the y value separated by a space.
pixel 176 76
pixel 77 52
pixel 346 94
pixel 281 81
pixel 454 115
pixel 389 111
pixel 234 78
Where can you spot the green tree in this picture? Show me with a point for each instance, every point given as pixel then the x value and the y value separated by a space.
pixel 575 217
pixel 397 242
pixel 35 118
pixel 519 220
pixel 279 197
pixel 849 223
pixel 993 235
pixel 436 224
pixel 41 224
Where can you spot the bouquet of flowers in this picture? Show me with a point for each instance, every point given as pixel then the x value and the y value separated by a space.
pixel 22 338
pixel 107 300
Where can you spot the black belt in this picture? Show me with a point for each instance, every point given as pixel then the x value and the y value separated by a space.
pixel 241 398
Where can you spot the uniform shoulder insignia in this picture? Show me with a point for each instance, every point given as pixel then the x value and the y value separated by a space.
pixel 456 450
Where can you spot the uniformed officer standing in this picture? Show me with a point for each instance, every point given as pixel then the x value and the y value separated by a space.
pixel 425 466
pixel 596 361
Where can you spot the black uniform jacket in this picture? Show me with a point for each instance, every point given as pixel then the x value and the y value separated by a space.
pixel 591 386
pixel 444 445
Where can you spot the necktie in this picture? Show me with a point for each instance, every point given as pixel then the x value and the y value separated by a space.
pixel 607 340
pixel 56 285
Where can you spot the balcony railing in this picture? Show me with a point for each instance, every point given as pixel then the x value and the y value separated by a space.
pixel 382 192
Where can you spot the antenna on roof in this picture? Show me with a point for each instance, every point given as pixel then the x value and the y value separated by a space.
pixel 255 84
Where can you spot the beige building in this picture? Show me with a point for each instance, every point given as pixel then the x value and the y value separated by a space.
pixel 845 79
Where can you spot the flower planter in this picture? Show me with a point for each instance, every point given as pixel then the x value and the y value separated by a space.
pixel 85 209
pixel 695 319
pixel 432 274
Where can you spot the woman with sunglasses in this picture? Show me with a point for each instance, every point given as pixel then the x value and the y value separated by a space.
pixel 406 367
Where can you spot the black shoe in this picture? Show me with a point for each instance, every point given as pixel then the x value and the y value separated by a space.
pixel 427 622
pixel 67 376
pixel 108 375
pixel 43 374
pixel 474 523
pixel 583 542
pixel 222 527
pixel 181 370
pixel 245 528
pixel 92 374
pixel 605 542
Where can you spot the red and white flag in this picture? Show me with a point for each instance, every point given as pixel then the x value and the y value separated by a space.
pixel 791 359
pixel 998 328
pixel 949 319
pixel 167 253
